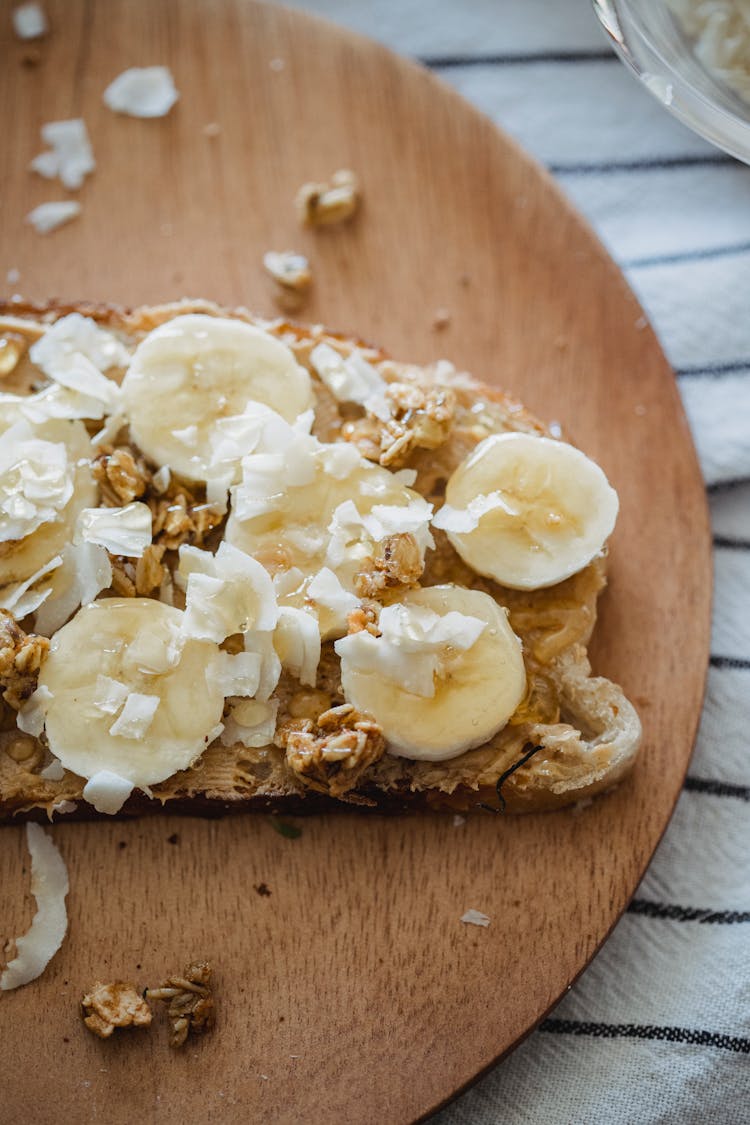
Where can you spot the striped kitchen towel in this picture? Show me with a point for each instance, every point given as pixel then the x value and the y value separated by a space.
pixel 658 1028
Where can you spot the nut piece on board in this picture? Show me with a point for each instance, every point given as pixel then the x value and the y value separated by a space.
pixel 320 204
pixel 119 1004
pixel 190 1004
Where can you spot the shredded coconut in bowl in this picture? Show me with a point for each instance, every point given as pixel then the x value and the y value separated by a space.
pixel 720 31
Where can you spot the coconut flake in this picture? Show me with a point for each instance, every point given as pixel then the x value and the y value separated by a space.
pixel 236 674
pixel 110 694
pixel 251 722
pixel 26 597
pixel 123 531
pixel 107 791
pixel 49 216
pixel 475 918
pixel 49 886
pixel 55 771
pixel 326 590
pixel 147 91
pixel 74 352
pixel 261 642
pixel 62 807
pixel 411 648
pixel 225 593
pixel 36 481
pixel 31 716
pixel 297 642
pixel 85 572
pixel 161 478
pixel 152 654
pixel 282 457
pixel 136 716
pixel 350 378
pixel 70 156
pixel 463 520
pixel 107 435
pixel 348 527
pixel 29 21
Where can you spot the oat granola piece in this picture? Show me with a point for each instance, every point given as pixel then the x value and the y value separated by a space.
pixel 21 657
pixel 322 204
pixel 331 754
pixel 397 563
pixel 109 1006
pixel 189 1000
pixel 149 570
pixel 121 477
pixel 420 418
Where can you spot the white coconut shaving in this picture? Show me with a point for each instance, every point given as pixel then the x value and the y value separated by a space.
pixel 55 771
pixel 84 573
pixel 251 722
pixel 297 641
pixel 107 791
pixel 75 352
pixel 49 886
pixel 27 596
pixel 30 718
pixel 123 531
pixel 30 21
pixel 49 216
pixel 69 155
pixel 147 91
pixel 326 591
pixel 351 379
pixel 475 918
pixel 237 674
pixel 225 593
pixel 136 716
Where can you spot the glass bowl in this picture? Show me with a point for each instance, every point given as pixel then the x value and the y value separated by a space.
pixel 649 40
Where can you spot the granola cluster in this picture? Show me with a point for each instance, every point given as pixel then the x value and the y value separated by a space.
pixel 420 418
pixel 21 657
pixel 109 1006
pixel 330 754
pixel 397 563
pixel 189 1000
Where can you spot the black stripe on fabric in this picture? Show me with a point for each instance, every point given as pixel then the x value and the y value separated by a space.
pixel 449 62
pixel 728 662
pixel 686 913
pixel 689 1035
pixel 728 544
pixel 717 788
pixel 727 485
pixel 687 256
pixel 656 164
pixel 714 370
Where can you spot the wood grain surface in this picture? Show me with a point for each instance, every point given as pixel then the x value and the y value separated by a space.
pixel 351 993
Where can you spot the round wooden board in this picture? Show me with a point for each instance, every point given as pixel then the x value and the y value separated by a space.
pixel 351 993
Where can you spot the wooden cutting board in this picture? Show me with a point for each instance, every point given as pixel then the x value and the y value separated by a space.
pixel 351 993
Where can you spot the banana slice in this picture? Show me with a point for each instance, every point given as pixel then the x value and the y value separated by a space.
pixel 528 511
pixel 313 515
pixel 445 674
pixel 195 370
pixel 123 691
pixel 24 556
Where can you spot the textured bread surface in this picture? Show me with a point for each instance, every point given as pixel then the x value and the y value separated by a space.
pixel 583 731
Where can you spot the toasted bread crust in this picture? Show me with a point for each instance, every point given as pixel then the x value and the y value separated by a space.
pixel 588 732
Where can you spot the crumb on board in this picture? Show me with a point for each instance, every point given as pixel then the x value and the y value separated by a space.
pixel 475 918
pixel 109 1006
pixel 189 1000
pixel 322 204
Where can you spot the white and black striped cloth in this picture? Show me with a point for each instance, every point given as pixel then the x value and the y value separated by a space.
pixel 658 1028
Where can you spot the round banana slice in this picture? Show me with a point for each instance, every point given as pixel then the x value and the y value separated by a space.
pixel 195 370
pixel 444 676
pixel 123 691
pixel 315 516
pixel 528 511
pixel 20 558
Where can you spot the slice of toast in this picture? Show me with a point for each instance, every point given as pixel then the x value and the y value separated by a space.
pixel 573 735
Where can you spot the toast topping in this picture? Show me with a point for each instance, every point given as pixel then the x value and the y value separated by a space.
pixel 444 675
pixel 21 658
pixel 330 755
pixel 528 511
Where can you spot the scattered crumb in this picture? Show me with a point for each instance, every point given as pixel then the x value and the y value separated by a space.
pixel 68 155
pixel 295 1056
pixel 322 204
pixel 458 820
pixel 475 918
pixel 49 216
pixel 189 1000
pixel 109 1006
pixel 288 268
pixel 31 57
pixel 641 323
pixel 264 1077
pixel 464 280
pixel 122 844
pixel 262 889
pixel 30 21
pixel 212 129
pixel 640 410
pixel 277 64
pixel 555 429
pixel 13 276
pixel 441 319
pixel 174 838
pixel 66 1039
